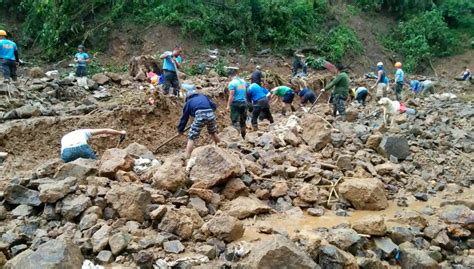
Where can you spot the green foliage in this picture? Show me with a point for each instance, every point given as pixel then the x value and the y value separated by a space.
pixel 338 42
pixel 315 63
pixel 422 37
pixel 458 13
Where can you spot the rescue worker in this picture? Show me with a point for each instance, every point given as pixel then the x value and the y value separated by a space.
pixel 257 76
pixel 82 59
pixel 171 64
pixel 261 106
pixel 9 59
pixel 299 63
pixel 287 95
pixel 399 81
pixel 340 92
pixel 237 102
pixel 382 82
pixel 202 109
pixel 360 94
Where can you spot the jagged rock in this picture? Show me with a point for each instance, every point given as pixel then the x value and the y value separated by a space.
pixel 28 111
pixel 3 212
pixel 72 206
pixel 16 194
pixel 337 139
pixel 279 189
pixel 181 222
pixel 400 234
pixel 48 168
pixel 374 140
pixel 234 188
pixel 412 218
pixel 458 214
pixel 343 238
pixel 87 221
pixel 129 200
pixel 100 78
pixel 413 258
pixel 138 150
pixel 278 252
pixel 243 207
pixel 113 160
pixel 224 228
pixel 171 175
pixel 114 76
pixel 290 138
pixel 200 206
pixel 308 193
pixel 315 133
pixel 371 225
pixel 364 193
pixel 158 213
pixel 213 165
pixel 396 146
pixel 54 254
pixel 118 242
pixel 334 258
pixel 100 238
pixel 174 246
pixel 344 162
pixel 22 211
pixel 230 135
pixel 207 250
pixel 52 192
pixel 36 72
pixel 105 257
pixel 316 212
pixel 80 169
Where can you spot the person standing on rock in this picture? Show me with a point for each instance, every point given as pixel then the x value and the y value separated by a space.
pixel 237 102
pixel 382 82
pixel 261 106
pixel 287 95
pixel 399 80
pixel 201 108
pixel 82 59
pixel 340 93
pixel 74 144
pixel 171 63
pixel 257 76
pixel 9 59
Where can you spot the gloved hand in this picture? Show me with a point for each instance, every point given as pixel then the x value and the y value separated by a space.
pixel 323 90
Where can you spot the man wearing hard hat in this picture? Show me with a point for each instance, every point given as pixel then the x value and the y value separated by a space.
pixel 9 58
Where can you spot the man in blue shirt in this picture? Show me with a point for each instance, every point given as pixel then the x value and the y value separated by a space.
pixel 306 94
pixel 237 102
pixel 201 108
pixel 399 80
pixel 82 59
pixel 9 58
pixel 171 64
pixel 259 96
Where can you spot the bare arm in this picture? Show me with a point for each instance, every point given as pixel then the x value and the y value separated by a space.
pixel 164 55
pixel 95 132
pixel 231 98
pixel 379 77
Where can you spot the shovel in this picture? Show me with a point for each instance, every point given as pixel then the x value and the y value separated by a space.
pixel 317 98
pixel 121 139
pixel 169 140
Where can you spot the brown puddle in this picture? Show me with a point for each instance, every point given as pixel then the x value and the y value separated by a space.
pixel 303 222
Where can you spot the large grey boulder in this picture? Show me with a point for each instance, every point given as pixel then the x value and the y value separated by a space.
pixel 396 146
pixel 16 194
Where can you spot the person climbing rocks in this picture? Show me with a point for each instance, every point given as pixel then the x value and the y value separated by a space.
pixel 82 59
pixel 306 94
pixel 237 102
pixel 261 106
pixel 399 81
pixel 287 95
pixel 171 64
pixel 257 75
pixel 465 75
pixel 422 87
pixel 201 108
pixel 360 94
pixel 299 63
pixel 74 144
pixel 340 92
pixel 382 82
pixel 9 59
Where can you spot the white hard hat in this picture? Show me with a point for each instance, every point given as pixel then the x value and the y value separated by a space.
pixel 379 64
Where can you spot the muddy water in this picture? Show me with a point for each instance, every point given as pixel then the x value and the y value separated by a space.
pixel 294 221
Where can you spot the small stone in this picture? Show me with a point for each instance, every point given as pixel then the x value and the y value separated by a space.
pixel 174 246
pixel 22 211
pixel 262 194
pixel 421 196
pixel 208 251
pixel 158 213
pixel 118 242
pixel 105 257
pixel 279 189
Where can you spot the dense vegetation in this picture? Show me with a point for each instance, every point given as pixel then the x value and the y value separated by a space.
pixel 426 28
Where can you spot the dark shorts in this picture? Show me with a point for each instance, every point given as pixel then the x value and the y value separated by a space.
pixel 8 68
pixel 83 151
pixel 288 97
pixel 204 117
pixel 309 97
pixel 81 71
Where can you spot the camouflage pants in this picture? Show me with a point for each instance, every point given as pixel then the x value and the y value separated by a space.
pixel 339 105
pixel 205 117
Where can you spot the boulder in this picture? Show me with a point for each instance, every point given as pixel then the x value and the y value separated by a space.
pixel 181 222
pixel 371 225
pixel 139 151
pixel 129 200
pixel 458 214
pixel 100 238
pixel 171 175
pixel 396 146
pixel 364 193
pixel 308 193
pixel 22 211
pixel 16 194
pixel 230 135
pixel 278 252
pixel 72 205
pixel 48 168
pixel 54 254
pixel 343 238
pixel 315 133
pixel 243 207
pixel 174 246
pixel 413 258
pixel 213 166
pixel 279 189
pixel 101 78
pixel 114 76
pixel 223 227
pixel 334 258
pixel 52 192
pixel 234 188
pixel 80 169
pixel 373 141
pixel 411 218
pixel 36 72
pixel 344 162
pixel 105 257
pixel 198 204
pixel 28 111
pixel 114 160
pixel 118 242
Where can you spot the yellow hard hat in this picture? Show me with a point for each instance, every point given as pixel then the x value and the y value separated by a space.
pixel 3 33
pixel 398 64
